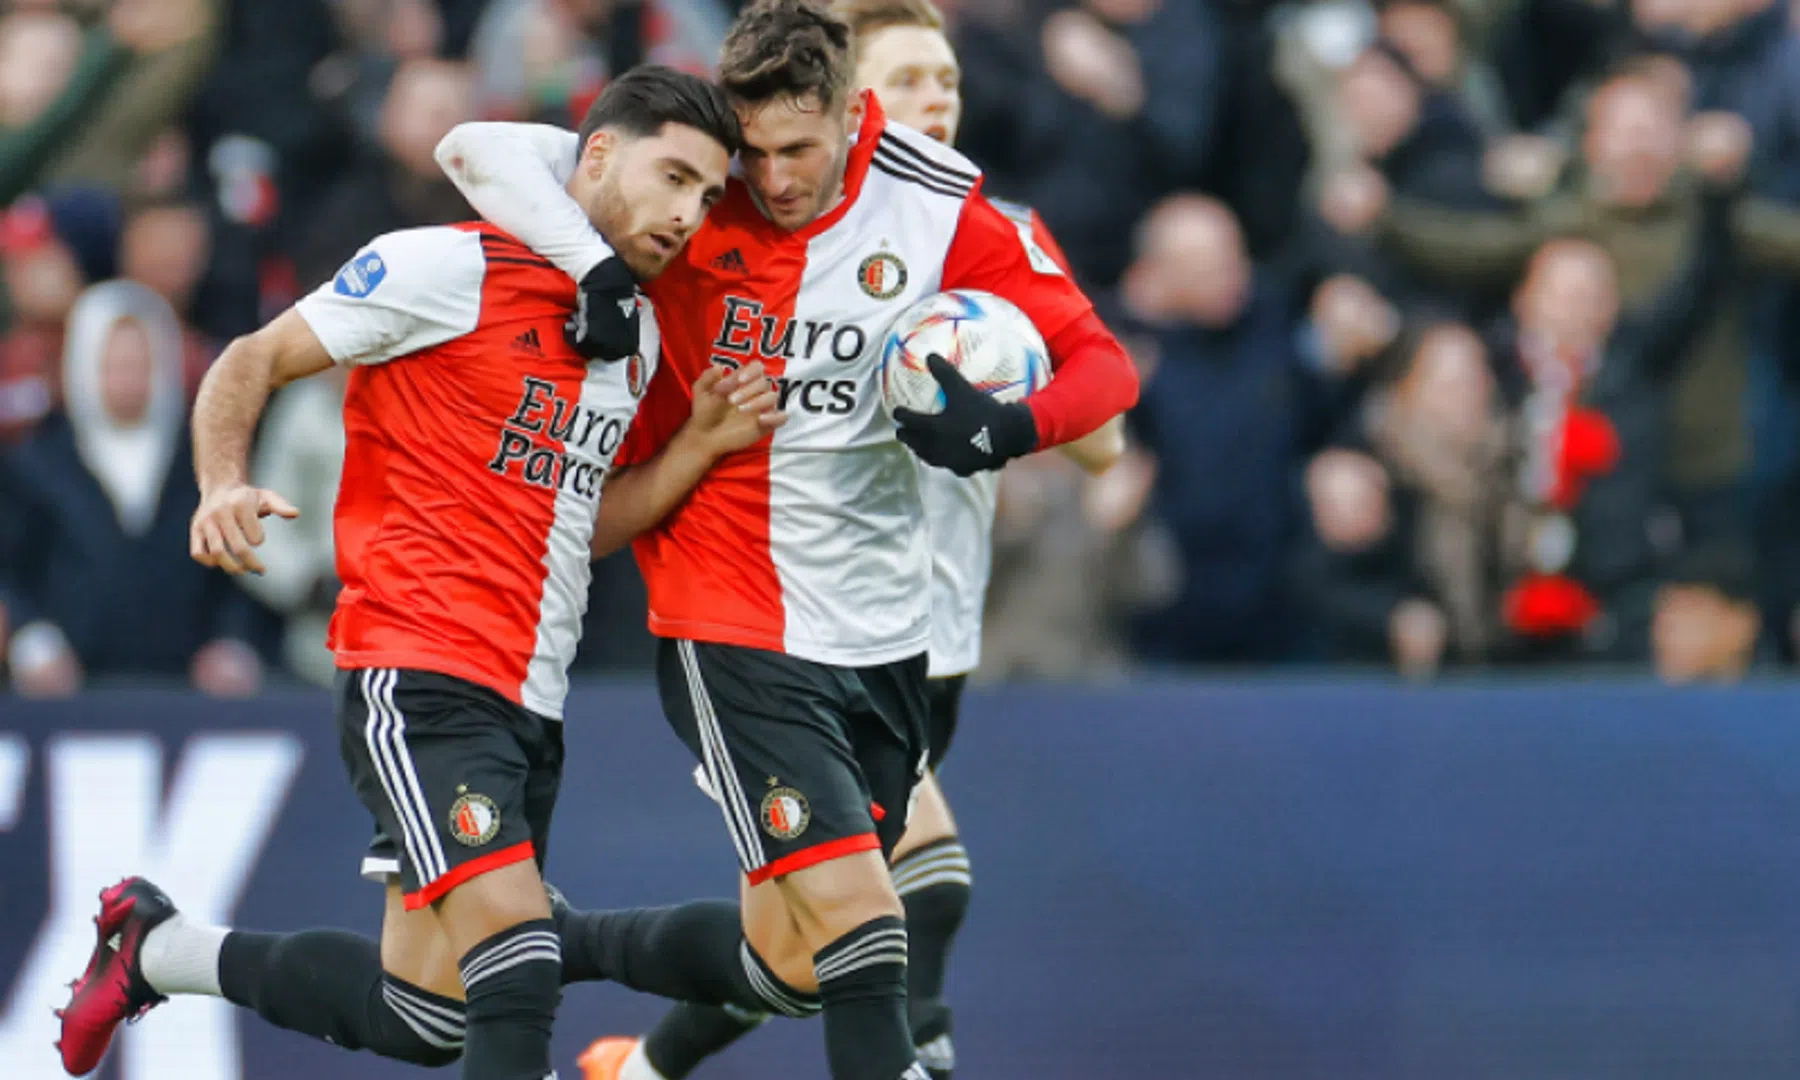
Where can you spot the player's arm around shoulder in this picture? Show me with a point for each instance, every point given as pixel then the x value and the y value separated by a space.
pixel 732 410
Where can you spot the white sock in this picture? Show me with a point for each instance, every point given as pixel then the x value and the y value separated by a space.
pixel 638 1067
pixel 181 958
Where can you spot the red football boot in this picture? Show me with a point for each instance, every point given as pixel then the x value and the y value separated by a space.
pixel 112 990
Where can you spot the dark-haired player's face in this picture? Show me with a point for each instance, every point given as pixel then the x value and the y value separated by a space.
pixel 794 154
pixel 652 192
pixel 913 70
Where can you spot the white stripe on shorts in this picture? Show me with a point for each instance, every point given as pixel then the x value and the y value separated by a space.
pixel 386 734
pixel 740 820
pixel 375 735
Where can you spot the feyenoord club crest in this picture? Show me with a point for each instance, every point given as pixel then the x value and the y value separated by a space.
pixel 882 275
pixel 785 813
pixel 634 375
pixel 474 819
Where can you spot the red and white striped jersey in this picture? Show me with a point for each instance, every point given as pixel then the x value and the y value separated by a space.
pixel 814 542
pixel 476 443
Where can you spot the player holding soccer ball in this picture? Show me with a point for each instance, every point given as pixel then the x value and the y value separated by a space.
pixel 903 56
pixel 791 591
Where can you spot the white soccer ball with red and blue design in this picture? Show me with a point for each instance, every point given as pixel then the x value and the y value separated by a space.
pixel 987 339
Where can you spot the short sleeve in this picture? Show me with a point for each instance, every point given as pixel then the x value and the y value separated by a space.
pixel 404 292
pixel 995 253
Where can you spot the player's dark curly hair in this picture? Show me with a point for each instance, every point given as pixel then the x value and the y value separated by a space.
pixel 639 102
pixel 787 49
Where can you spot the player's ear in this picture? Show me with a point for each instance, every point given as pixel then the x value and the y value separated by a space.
pixel 853 109
pixel 600 146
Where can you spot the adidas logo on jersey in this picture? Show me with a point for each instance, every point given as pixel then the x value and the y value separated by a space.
pixel 732 262
pixel 981 441
pixel 528 342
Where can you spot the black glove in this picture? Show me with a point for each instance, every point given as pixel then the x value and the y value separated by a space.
pixel 974 433
pixel 604 325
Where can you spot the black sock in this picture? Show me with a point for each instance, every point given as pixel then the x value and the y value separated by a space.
pixel 693 952
pixel 689 1034
pixel 514 984
pixel 329 984
pixel 862 982
pixel 934 884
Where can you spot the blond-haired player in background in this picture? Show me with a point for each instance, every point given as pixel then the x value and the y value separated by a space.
pixel 904 56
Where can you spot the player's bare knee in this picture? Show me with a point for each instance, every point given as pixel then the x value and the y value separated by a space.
pixel 833 898
pixel 787 953
pixel 490 903
pixel 414 948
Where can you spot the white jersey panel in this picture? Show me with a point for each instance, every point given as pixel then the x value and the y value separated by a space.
pixel 591 435
pixel 404 291
pixel 959 515
pixel 846 528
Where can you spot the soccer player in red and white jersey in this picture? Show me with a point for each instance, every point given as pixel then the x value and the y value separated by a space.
pixel 905 58
pixel 791 588
pixel 478 440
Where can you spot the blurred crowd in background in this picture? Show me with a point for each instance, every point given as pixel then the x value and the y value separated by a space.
pixel 1469 328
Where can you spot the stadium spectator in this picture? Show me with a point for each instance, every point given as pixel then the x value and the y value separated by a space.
pixel 173 43
pixel 40 279
pixel 1429 34
pixel 1108 109
pixel 1635 200
pixel 397 185
pixel 1442 435
pixel 1226 413
pixel 1706 622
pixel 97 582
pixel 1420 137
pixel 1582 546
pixel 544 59
pixel 166 245
pixel 1358 573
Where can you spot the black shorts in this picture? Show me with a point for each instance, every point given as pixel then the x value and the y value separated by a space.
pixel 946 706
pixel 465 779
pixel 809 761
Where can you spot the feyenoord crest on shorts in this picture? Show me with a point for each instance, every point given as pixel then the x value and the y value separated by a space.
pixel 474 819
pixel 785 813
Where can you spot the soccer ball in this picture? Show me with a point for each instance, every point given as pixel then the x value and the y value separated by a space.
pixel 986 338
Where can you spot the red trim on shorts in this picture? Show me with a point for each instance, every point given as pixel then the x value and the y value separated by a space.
pixel 474 868
pixel 876 812
pixel 813 856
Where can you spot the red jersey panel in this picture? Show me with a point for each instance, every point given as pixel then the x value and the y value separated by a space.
pixel 813 543
pixel 477 442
